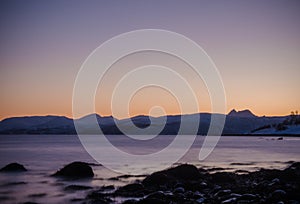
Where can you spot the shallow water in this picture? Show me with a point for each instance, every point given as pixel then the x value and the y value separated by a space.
pixel 42 155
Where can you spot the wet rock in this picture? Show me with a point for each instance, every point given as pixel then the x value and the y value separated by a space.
pixel 77 188
pixel 200 200
pixel 29 202
pixel 278 195
pixel 13 183
pixel 184 172
pixel 76 200
pixel 197 195
pixel 151 201
pixel 240 171
pixel 130 201
pixel 107 188
pixel 134 189
pixel 179 190
pixel 223 177
pixel 98 197
pixel 37 195
pixel 229 201
pixel 4 198
pixel 189 194
pixel 275 181
pixel 156 195
pixel 248 197
pixel 217 188
pixel 156 179
pixel 76 170
pixel 13 167
pixel 235 195
pixel 177 185
pixel 254 187
pixel 222 193
pixel 181 174
pixel 203 185
pixel 295 165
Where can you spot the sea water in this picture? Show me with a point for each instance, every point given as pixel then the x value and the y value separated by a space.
pixel 43 155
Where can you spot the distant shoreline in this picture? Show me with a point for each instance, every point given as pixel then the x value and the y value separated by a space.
pixel 225 135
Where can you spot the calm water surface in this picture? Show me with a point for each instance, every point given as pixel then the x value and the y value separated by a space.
pixel 42 155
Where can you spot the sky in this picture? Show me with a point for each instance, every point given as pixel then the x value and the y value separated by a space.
pixel 254 44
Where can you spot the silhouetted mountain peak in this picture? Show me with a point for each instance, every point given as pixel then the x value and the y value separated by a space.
pixel 243 113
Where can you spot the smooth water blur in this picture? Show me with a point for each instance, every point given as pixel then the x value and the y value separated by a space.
pixel 42 155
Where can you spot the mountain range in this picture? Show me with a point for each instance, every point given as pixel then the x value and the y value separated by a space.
pixel 237 123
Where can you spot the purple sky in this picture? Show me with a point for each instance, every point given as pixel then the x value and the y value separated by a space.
pixel 255 45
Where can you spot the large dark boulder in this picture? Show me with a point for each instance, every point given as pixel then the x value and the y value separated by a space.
pixel 184 172
pixel 13 167
pixel 76 170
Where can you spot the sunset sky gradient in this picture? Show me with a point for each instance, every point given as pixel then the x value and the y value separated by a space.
pixel 254 44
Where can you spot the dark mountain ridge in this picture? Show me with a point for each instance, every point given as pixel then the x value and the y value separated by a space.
pixel 237 123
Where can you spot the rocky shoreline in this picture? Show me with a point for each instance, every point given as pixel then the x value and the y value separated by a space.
pixel 186 183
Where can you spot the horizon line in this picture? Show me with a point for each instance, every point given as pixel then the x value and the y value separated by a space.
pixel 45 115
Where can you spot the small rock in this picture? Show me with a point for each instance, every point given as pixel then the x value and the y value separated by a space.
pixel 235 195
pixel 200 200
pixel 13 167
pixel 229 201
pixel 156 195
pixel 197 195
pixel 177 185
pixel 203 184
pixel 189 194
pixel 222 193
pixel 151 200
pixel 217 188
pixel 248 196
pixel 130 201
pixel 278 195
pixel 179 190
pixel 37 195
pixel 276 180
pixel 107 188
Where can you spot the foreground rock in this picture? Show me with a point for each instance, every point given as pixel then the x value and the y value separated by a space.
pixel 76 170
pixel 183 173
pixel 13 167
pixel 187 184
